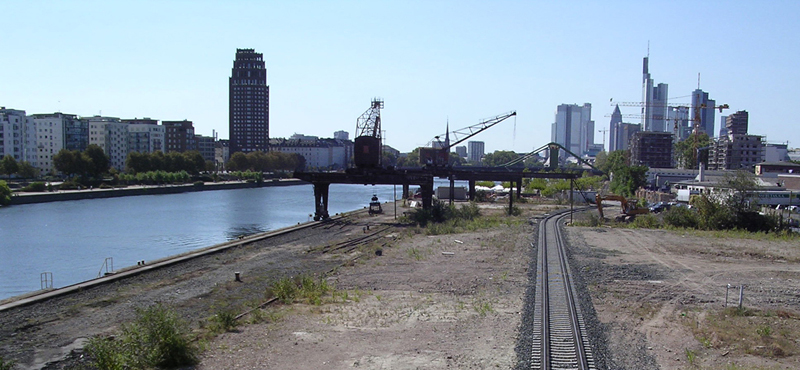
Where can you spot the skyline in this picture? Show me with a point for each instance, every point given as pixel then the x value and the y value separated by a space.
pixel 430 62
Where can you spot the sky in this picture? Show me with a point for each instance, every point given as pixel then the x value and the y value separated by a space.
pixel 432 62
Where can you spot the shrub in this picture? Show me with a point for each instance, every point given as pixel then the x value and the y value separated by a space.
pixel 646 221
pixel 35 187
pixel 5 194
pixel 199 183
pixel 68 185
pixel 105 186
pixel 157 338
pixel 682 217
pixel 225 320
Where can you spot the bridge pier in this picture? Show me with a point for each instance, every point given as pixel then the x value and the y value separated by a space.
pixel 471 190
pixel 427 195
pixel 321 200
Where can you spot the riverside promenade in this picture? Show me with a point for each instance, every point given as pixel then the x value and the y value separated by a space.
pixel 133 190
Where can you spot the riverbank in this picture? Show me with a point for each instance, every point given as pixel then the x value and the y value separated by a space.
pixel 135 190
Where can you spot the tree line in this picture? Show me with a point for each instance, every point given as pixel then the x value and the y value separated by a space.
pixel 265 162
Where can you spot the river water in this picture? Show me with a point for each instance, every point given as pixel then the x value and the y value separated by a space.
pixel 72 239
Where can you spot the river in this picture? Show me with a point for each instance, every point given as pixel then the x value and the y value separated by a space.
pixel 72 239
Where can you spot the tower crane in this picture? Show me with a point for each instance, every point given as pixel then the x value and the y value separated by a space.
pixel 440 155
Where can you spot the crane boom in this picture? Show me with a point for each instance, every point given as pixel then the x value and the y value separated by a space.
pixel 440 156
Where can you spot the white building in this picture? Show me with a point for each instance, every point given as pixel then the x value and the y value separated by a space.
pixel 319 153
pixel 146 138
pixel 17 137
pixel 51 137
pixel 110 134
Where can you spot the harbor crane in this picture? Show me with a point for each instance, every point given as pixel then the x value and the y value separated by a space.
pixel 439 155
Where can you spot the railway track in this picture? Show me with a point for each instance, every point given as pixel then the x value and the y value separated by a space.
pixel 560 338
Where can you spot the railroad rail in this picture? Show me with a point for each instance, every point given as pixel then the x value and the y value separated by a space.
pixel 560 339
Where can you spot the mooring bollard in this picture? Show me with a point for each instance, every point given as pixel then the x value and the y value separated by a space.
pixel 741 295
pixel 238 277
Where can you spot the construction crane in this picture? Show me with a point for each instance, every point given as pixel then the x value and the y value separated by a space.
pixel 695 121
pixel 367 148
pixel 439 155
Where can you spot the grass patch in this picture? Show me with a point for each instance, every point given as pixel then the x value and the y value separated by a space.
pixel 155 339
pixel 6 364
pixel 769 334
pixel 301 288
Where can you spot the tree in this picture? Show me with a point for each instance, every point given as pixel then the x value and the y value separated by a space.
pixel 627 179
pixel 410 160
pixel 499 157
pixel 9 165
pixel 68 162
pixel 238 162
pixel 27 170
pixel 686 150
pixel 97 160
pixel 137 162
pixel 5 194
pixel 742 185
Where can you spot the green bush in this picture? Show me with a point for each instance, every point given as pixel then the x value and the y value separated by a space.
pixel 156 339
pixel 199 183
pixel 69 185
pixel 6 365
pixel 5 195
pixel 646 221
pixel 36 187
pixel 105 186
pixel 681 217
pixel 300 287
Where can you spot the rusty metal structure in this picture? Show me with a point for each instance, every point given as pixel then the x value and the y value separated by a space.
pixel 369 169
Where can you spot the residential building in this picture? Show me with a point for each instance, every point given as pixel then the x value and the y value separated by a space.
pixel 110 134
pixel 179 136
pixel 737 149
pixel 76 134
pixel 736 123
pixel 249 103
pixel 573 127
pixel 734 152
pixel 51 137
pixel 475 151
pixel 145 135
pixel 651 149
pixel 319 153
pixel 654 101
pixel 206 147
pixel 341 135
pixel 17 135
pixel 222 153
pixel 703 108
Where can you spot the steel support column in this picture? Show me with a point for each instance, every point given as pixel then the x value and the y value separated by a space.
pixel 471 190
pixel 321 200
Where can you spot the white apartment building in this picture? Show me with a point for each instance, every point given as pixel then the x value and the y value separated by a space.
pixel 110 134
pixel 51 137
pixel 15 138
pixel 146 138
pixel 319 153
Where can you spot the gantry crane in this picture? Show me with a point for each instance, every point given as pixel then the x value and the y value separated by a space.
pixel 439 155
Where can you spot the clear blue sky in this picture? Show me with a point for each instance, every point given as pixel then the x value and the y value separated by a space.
pixel 429 60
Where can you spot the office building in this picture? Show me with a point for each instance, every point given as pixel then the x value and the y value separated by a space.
pixel 110 134
pixel 651 149
pixel 573 127
pixel 679 122
pixel 461 150
pixel 613 126
pixel 475 151
pixel 179 136
pixel 703 109
pixel 723 131
pixel 654 101
pixel 249 103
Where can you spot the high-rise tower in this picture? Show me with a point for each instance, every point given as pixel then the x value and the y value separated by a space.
pixel 654 101
pixel 704 107
pixel 249 103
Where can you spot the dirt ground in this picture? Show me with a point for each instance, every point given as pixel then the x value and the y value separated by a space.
pixel 661 295
pixel 432 302
pixel 450 301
